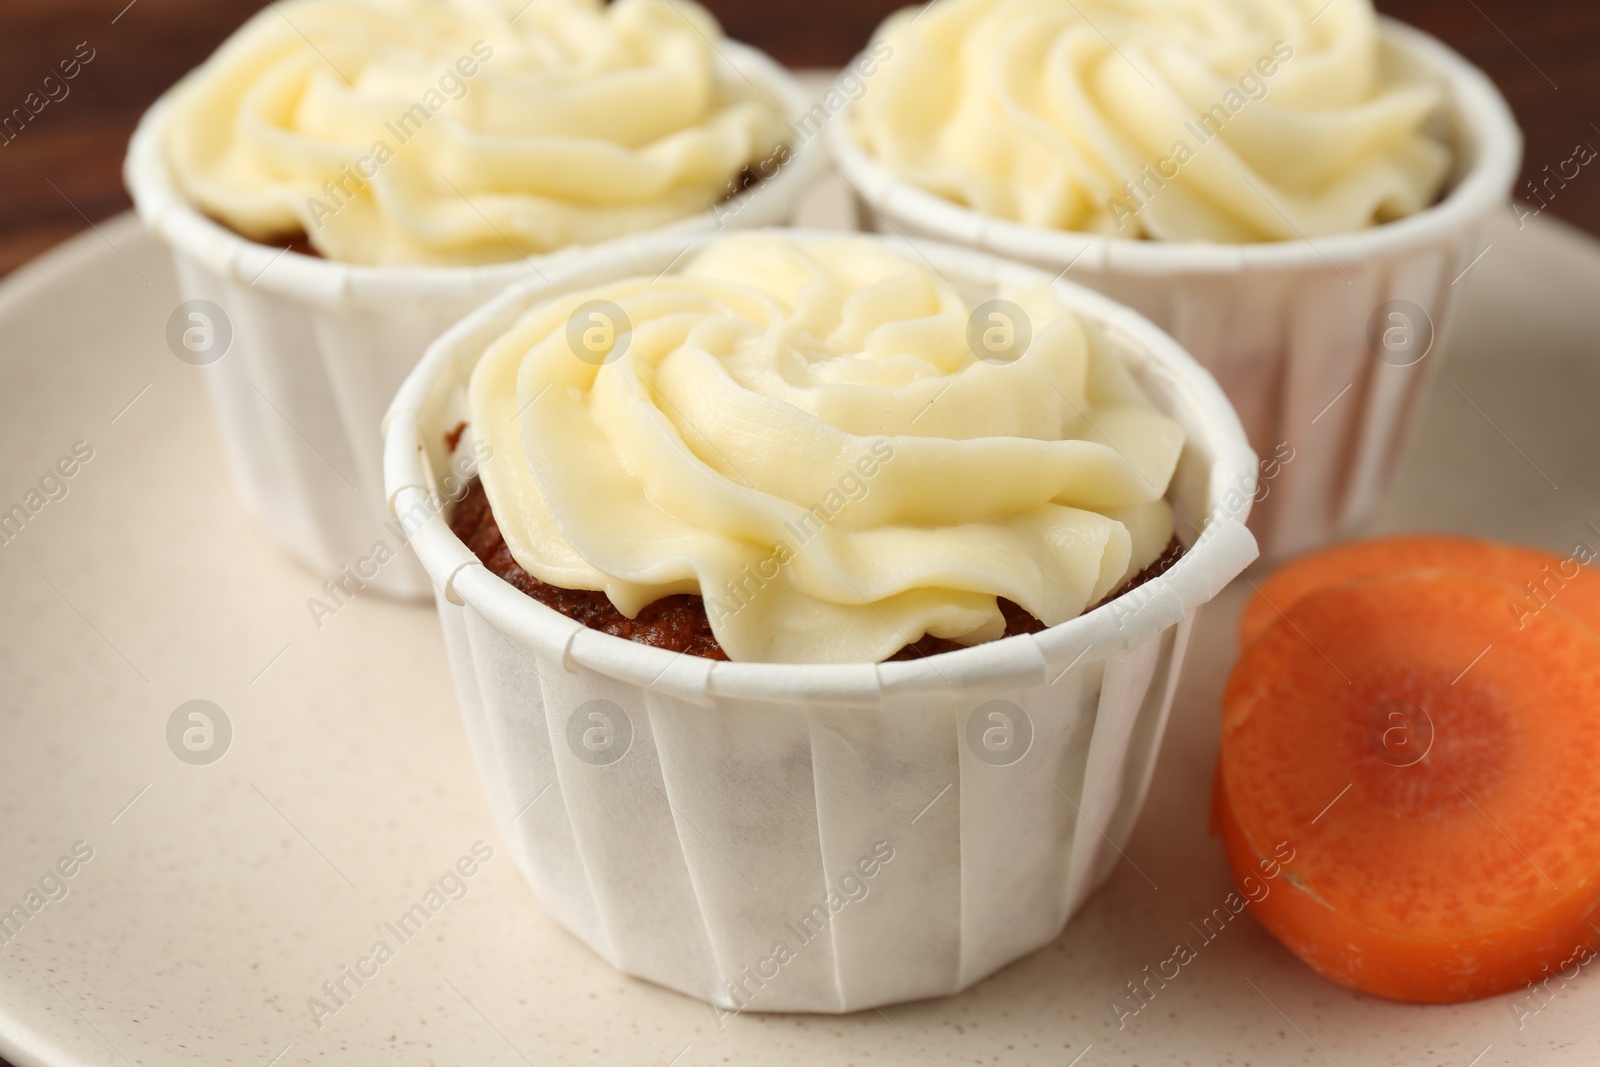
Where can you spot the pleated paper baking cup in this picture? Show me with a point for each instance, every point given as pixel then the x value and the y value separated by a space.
pixel 301 356
pixel 818 838
pixel 1326 347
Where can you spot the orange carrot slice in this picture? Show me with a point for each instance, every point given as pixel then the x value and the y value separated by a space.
pixel 1535 579
pixel 1428 773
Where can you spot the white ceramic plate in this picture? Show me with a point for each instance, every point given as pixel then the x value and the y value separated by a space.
pixel 220 898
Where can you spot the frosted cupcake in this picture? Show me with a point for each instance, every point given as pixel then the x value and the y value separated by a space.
pixel 345 178
pixel 1289 187
pixel 920 504
pixel 804 438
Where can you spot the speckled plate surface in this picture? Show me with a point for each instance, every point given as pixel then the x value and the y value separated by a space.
pixel 221 896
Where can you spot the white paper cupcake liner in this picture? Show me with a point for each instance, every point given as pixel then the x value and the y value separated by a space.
pixel 319 348
pixel 691 831
pixel 1287 327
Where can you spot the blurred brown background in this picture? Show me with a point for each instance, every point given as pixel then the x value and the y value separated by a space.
pixel 1543 55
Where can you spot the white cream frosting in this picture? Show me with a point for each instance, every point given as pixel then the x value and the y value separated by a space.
pixel 399 132
pixel 800 432
pixel 1205 120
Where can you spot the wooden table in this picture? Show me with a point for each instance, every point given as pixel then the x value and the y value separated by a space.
pixel 64 169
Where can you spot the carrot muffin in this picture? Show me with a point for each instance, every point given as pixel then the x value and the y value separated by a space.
pixel 1200 120
pixel 447 132
pixel 803 436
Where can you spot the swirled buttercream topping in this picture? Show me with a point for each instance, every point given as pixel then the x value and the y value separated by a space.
pixel 801 433
pixel 398 132
pixel 1188 120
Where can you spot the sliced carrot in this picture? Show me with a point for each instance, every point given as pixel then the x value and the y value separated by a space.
pixel 1535 579
pixel 1429 775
